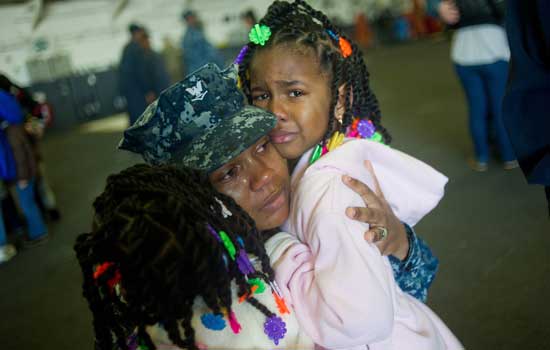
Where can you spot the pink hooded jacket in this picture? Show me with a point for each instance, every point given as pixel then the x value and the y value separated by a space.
pixel 341 288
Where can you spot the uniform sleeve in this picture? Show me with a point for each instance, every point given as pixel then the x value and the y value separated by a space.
pixel 338 285
pixel 415 274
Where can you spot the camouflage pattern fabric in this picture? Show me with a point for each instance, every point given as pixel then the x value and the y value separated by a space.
pixel 201 122
pixel 416 273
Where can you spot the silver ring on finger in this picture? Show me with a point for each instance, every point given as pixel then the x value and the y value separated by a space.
pixel 382 232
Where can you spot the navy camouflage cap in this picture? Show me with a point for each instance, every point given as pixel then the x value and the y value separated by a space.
pixel 201 122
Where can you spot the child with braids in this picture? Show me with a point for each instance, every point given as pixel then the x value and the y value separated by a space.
pixel 167 267
pixel 304 70
pixel 300 67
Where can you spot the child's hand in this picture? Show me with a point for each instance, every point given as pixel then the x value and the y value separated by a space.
pixel 380 217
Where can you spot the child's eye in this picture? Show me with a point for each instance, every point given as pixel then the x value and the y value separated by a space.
pixel 296 93
pixel 260 97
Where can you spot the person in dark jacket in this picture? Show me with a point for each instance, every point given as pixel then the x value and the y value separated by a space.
pixel 135 84
pixel 155 66
pixel 526 115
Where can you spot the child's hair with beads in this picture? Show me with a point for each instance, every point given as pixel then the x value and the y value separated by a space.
pixel 298 24
pixel 153 249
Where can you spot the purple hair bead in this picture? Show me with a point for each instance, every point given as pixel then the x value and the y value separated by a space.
pixel 241 54
pixel 366 129
pixel 275 328
pixel 244 264
pixel 132 342
pixel 213 232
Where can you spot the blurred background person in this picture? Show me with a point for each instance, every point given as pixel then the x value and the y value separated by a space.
pixel 362 31
pixel 135 85
pixel 19 162
pixel 7 251
pixel 238 35
pixel 526 115
pixel 480 54
pixel 155 67
pixel 196 50
pixel 248 19
pixel 38 115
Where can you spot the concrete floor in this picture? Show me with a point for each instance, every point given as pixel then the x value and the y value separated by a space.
pixel 491 231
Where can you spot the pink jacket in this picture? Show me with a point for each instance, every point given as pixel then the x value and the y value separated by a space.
pixel 341 289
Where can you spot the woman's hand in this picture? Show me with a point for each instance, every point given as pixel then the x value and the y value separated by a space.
pixel 379 215
pixel 448 12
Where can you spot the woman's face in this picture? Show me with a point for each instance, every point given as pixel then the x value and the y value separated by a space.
pixel 292 85
pixel 258 181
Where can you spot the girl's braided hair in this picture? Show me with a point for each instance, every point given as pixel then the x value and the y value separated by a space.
pixel 150 226
pixel 301 25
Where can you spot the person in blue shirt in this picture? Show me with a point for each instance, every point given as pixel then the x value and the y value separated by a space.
pixel 196 50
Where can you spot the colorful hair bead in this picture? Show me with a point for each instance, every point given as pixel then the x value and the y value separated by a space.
pixel 377 137
pixel 281 305
pixel 366 128
pixel 132 342
pixel 316 154
pixel 213 232
pixel 228 245
pixel 225 212
pixel 235 326
pixel 335 140
pixel 240 241
pixel 345 47
pixel 245 296
pixel 259 283
pixel 213 321
pixel 114 281
pixel 101 269
pixel 332 35
pixel 259 34
pixel 240 57
pixel 244 264
pixel 275 328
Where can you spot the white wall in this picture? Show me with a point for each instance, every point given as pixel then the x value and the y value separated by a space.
pixel 89 34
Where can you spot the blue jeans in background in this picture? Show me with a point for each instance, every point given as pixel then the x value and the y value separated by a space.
pixel 484 86
pixel 35 223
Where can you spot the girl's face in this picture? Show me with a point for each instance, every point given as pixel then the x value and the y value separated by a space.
pixel 292 85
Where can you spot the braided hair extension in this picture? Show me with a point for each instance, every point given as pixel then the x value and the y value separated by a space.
pixel 150 225
pixel 300 25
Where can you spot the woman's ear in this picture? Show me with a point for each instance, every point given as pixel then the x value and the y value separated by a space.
pixel 340 107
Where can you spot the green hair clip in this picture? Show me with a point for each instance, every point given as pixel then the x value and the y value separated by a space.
pixel 259 34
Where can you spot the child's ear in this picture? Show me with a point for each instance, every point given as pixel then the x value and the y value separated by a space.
pixel 340 107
